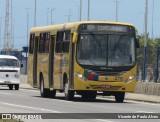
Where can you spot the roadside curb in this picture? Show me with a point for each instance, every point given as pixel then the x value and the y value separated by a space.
pixel 27 86
pixel 142 97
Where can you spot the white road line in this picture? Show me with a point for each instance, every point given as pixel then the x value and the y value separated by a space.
pixel 30 90
pixel 5 93
pixel 28 107
pixel 145 112
pixel 103 120
pixel 146 103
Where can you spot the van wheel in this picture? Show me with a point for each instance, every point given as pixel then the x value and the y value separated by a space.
pixel 69 94
pixel 10 87
pixel 44 92
pixel 119 97
pixel 16 87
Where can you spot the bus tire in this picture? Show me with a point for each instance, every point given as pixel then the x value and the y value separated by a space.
pixel 16 86
pixel 53 93
pixel 10 87
pixel 69 94
pixel 44 92
pixel 119 97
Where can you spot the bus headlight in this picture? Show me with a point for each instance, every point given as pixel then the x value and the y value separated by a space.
pixel 131 78
pixel 80 76
pixel 16 75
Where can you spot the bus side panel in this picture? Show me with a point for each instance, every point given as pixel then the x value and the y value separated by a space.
pixel 58 71
pixel 30 69
pixel 65 68
pixel 43 68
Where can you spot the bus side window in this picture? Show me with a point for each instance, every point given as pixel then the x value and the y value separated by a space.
pixel 31 43
pixel 62 41
pixel 59 42
pixel 66 40
pixel 44 43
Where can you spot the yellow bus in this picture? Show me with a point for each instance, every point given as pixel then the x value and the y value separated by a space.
pixel 84 58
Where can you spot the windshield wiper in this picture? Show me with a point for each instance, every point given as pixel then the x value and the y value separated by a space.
pixel 99 44
pixel 119 40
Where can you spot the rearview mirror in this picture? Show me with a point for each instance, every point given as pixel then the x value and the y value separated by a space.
pixel 137 42
pixel 75 37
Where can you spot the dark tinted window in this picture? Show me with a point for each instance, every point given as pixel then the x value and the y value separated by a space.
pixel 62 41
pixel 44 43
pixel 31 43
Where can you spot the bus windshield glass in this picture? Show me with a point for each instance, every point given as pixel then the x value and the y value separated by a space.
pixel 9 62
pixel 106 50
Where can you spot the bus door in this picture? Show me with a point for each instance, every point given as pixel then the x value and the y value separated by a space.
pixel 35 62
pixel 51 61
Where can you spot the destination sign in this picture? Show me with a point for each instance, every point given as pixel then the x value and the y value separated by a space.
pixel 107 28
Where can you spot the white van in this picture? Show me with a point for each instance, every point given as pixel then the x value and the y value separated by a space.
pixel 10 71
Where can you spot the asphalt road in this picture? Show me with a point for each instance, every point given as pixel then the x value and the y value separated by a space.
pixel 29 101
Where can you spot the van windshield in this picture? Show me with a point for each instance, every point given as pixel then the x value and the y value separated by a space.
pixel 9 62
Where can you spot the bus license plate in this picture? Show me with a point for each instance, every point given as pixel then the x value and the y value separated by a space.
pixel 106 86
pixel 7 82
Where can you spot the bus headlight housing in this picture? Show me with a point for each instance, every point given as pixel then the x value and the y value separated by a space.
pixel 80 76
pixel 131 78
pixel 16 75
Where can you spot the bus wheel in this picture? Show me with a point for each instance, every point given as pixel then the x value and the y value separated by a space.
pixel 10 87
pixel 119 97
pixel 69 94
pixel 53 93
pixel 16 86
pixel 44 92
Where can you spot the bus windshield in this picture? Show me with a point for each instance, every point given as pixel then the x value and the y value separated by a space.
pixel 9 62
pixel 106 50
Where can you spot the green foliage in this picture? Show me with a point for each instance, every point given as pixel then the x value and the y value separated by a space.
pixel 151 43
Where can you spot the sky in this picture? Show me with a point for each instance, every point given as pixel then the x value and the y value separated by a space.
pixel 130 11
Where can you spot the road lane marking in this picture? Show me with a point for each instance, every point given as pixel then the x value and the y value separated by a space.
pixel 30 90
pixel 145 112
pixel 146 103
pixel 103 120
pixel 28 107
pixel 5 93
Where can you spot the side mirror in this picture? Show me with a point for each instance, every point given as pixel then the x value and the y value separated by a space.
pixel 137 42
pixel 21 65
pixel 75 37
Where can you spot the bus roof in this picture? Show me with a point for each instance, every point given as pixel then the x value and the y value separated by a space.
pixel 8 57
pixel 73 25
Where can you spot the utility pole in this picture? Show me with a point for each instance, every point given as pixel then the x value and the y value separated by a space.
pixel 145 41
pixel 11 25
pixel 6 31
pixel 51 15
pixel 88 10
pixel 47 15
pixel 0 31
pixel 69 15
pixel 35 13
pixel 80 16
pixel 117 6
pixel 27 25
pixel 152 19
pixel 13 33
